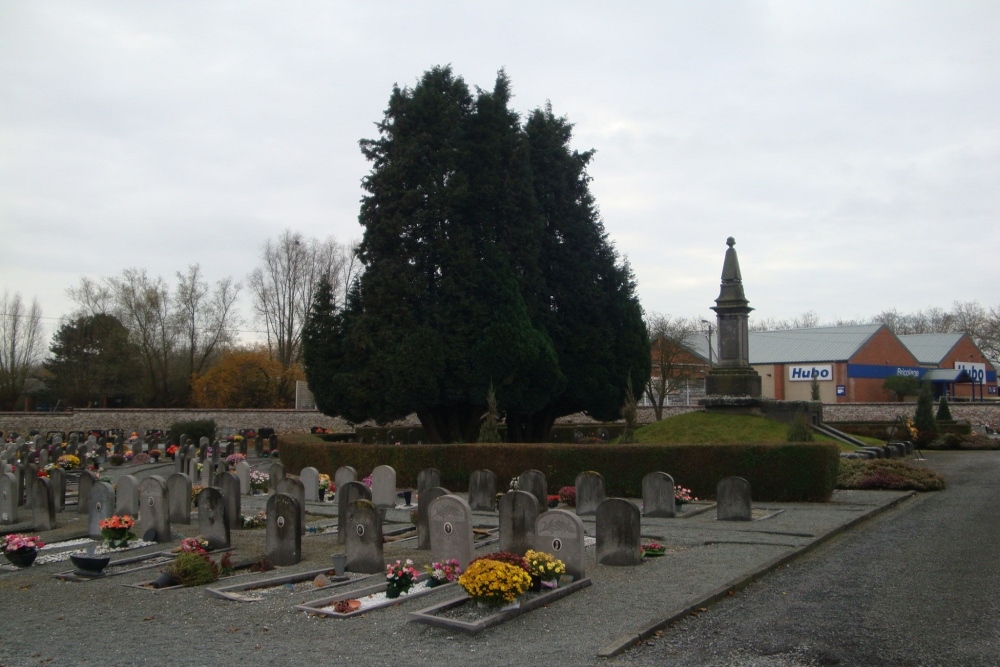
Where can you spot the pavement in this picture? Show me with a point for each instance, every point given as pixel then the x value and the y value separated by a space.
pixel 706 560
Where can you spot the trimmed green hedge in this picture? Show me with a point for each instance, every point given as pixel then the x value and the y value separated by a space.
pixel 794 472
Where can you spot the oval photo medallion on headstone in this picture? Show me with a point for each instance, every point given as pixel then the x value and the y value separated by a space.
pixel 98 506
pixel 281 522
pixel 361 530
pixel 151 501
pixel 556 545
pixel 448 528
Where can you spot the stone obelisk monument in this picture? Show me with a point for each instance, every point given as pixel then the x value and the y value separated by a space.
pixel 732 375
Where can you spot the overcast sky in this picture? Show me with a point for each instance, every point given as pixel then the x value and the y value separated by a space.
pixel 851 148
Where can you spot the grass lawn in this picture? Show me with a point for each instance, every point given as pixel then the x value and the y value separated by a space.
pixel 703 428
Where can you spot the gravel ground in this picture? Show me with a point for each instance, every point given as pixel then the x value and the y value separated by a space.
pixel 45 621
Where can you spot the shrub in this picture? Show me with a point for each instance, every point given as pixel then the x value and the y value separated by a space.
pixel 923 418
pixel 116 459
pixel 494 582
pixel 567 495
pixel 799 430
pixel 944 412
pixel 141 457
pixel 888 475
pixel 505 557
pixel 192 568
pixel 195 429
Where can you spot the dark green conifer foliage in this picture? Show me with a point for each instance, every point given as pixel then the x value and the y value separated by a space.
pixel 470 279
pixel 923 418
pixel 944 412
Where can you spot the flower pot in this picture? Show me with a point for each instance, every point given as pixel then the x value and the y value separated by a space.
pixel 90 566
pixel 392 591
pixel 536 584
pixel 340 563
pixel 322 494
pixel 154 459
pixel 22 557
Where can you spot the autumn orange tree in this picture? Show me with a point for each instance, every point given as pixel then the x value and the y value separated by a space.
pixel 244 378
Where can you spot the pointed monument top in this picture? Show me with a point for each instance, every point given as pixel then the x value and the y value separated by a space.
pixel 731 293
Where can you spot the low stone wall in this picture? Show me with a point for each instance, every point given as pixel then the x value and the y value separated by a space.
pixel 301 421
pixel 282 421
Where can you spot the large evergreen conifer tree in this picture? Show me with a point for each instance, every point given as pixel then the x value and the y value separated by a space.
pixel 485 262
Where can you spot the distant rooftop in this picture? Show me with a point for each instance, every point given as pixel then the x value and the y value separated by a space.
pixel 809 345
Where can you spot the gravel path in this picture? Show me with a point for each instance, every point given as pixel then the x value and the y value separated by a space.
pixel 910 588
pixel 45 621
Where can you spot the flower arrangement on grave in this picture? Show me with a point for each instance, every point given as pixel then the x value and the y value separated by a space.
pixel 93 459
pixel 68 461
pixel 194 545
pixel 44 472
pixel 494 582
pixel 506 557
pixel 567 495
pixel 128 455
pixel 195 490
pixel 258 481
pixel 155 454
pixel 546 567
pixel 552 501
pixel 444 573
pixel 325 486
pixel 233 459
pixel 367 481
pixel 141 458
pixel 16 543
pixel 652 550
pixel 682 495
pixel 400 577
pixel 172 451
pixel 258 520
pixel 118 531
pixel 193 568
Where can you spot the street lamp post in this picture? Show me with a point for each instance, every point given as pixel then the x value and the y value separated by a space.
pixel 710 362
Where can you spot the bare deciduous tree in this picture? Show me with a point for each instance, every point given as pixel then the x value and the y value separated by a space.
pixel 20 346
pixel 674 361
pixel 284 286
pixel 207 318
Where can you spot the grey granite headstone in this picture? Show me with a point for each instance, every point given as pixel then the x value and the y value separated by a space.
pixel 658 495
pixel 560 533
pixel 57 476
pixel 363 541
pixel 292 486
pixel 100 506
pixel 207 473
pixel 127 496
pixel 284 534
pixel 347 494
pixel 428 478
pixel 732 500
pixel 483 491
pixel 310 483
pixel 276 473
pixel 424 500
pixel 43 511
pixel 8 498
pixel 518 514
pixel 533 481
pixel 212 521
pixel 618 530
pixel 384 487
pixel 43 458
pixel 87 480
pixel 229 483
pixel 450 519
pixel 192 464
pixel 154 510
pixel 243 473
pixel 589 492
pixel 343 475
pixel 179 489
pixel 27 483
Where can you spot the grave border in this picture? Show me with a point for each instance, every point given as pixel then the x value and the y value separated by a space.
pixel 428 616
pixel 314 606
pixel 224 592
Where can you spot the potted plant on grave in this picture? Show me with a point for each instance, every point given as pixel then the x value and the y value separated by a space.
pixel 118 531
pixel 652 550
pixel 545 569
pixel 172 451
pixel 258 481
pixel 233 459
pixel 324 485
pixel 494 583
pixel 21 550
pixel 567 495
pixel 68 461
pixel 682 496
pixel 190 568
pixel 154 455
pixel 400 577
pixel 444 573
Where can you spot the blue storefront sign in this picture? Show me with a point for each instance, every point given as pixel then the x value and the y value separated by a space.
pixel 841 390
pixel 874 372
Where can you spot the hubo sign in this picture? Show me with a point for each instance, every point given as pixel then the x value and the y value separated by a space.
pixel 807 373
pixel 976 371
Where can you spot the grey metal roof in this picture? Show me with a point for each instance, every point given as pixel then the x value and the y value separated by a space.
pixel 931 348
pixel 809 345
